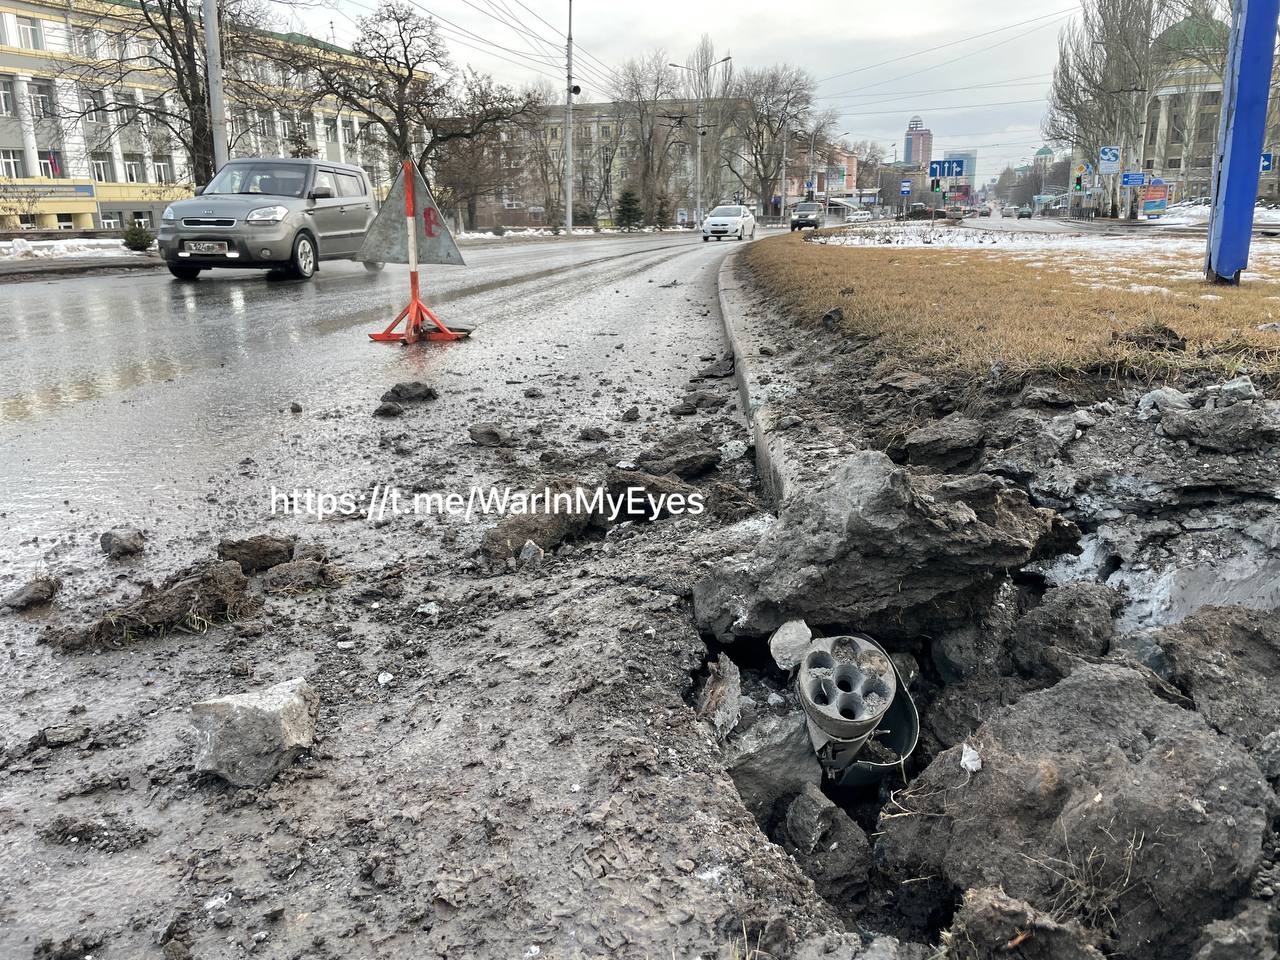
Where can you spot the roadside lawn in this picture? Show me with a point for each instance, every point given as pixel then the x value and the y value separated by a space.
pixel 967 299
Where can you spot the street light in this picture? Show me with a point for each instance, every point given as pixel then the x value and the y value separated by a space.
pixel 697 143
pixel 813 137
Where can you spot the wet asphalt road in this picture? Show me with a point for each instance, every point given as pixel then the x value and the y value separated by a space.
pixel 123 395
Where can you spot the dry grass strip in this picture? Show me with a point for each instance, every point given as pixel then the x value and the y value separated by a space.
pixel 1049 310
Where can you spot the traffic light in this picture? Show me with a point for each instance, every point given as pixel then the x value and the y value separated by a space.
pixel 937 185
pixel 1079 184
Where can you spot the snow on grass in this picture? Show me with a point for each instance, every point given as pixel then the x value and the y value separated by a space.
pixel 21 249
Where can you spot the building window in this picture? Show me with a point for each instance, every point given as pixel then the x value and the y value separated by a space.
pixel 101 165
pixel 41 96
pixel 84 42
pixel 91 105
pixel 1206 126
pixel 133 169
pixel 1150 164
pixel 163 167
pixel 287 128
pixel 66 221
pixel 330 130
pixel 1202 163
pixel 6 97
pixel 30 33
pixel 51 164
pixel 1174 163
pixel 142 218
pixel 348 131
pixel 11 163
pixel 111 219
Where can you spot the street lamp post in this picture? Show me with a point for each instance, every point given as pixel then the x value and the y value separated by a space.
pixel 699 133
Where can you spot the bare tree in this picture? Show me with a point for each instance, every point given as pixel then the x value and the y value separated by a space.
pixel 708 84
pixel 1107 65
pixel 407 86
pixel 142 62
pixel 646 87
pixel 771 103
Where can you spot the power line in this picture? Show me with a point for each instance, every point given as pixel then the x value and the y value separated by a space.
pixel 1034 80
pixel 952 43
pixel 956 106
pixel 467 38
pixel 608 70
pixel 947 63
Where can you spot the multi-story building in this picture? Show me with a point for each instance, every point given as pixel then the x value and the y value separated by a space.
pixel 75 155
pixel 608 159
pixel 970 158
pixel 917 145
pixel 1179 128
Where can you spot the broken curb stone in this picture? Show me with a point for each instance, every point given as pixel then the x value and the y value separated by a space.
pixel 488 434
pixel 35 592
pixel 248 738
pixel 121 542
pixel 409 392
pixel 258 552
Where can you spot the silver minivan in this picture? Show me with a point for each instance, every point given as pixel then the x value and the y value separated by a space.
pixel 278 214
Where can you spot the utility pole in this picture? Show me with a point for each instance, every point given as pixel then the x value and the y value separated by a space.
pixel 699 130
pixel 213 67
pixel 568 128
pixel 782 176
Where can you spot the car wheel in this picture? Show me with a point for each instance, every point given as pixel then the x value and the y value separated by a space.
pixel 183 271
pixel 374 266
pixel 705 239
pixel 302 265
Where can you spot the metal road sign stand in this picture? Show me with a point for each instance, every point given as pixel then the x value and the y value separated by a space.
pixel 1246 82
pixel 425 239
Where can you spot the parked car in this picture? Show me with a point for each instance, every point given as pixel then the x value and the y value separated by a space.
pixel 984 212
pixel 807 215
pixel 1009 211
pixel 1024 213
pixel 275 214
pixel 730 220
pixel 859 216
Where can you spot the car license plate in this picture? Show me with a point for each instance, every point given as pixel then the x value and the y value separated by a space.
pixel 205 246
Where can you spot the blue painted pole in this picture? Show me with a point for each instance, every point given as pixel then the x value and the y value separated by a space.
pixel 1246 83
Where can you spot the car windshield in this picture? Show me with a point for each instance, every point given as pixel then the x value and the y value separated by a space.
pixel 727 212
pixel 809 207
pixel 275 179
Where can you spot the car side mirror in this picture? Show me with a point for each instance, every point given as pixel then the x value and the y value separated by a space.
pixel 200 188
pixel 321 193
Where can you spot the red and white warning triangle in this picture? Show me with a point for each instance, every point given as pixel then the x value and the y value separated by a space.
pixel 388 238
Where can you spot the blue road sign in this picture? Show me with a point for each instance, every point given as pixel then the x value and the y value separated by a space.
pixel 1267 163
pixel 904 187
pixel 1133 179
pixel 1241 136
pixel 946 168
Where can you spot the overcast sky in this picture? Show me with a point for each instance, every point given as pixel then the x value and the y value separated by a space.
pixel 947 87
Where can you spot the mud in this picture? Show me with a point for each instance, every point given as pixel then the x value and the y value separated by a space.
pixel 545 752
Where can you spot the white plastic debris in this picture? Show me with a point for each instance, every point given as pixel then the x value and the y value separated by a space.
pixel 384 678
pixel 969 759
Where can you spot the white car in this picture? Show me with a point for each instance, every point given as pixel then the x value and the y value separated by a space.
pixel 859 216
pixel 729 221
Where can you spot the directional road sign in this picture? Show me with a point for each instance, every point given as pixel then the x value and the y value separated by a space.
pixel 946 168
pixel 1129 179
pixel 1267 163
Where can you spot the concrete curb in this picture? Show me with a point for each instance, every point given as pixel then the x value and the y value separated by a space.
pixel 22 270
pixel 762 393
